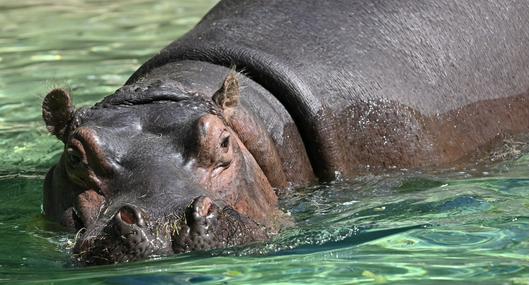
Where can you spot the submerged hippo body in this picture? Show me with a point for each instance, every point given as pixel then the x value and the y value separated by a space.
pixel 185 156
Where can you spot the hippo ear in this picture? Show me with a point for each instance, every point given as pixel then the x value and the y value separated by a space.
pixel 228 95
pixel 57 112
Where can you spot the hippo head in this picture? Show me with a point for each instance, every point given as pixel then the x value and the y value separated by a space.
pixel 152 170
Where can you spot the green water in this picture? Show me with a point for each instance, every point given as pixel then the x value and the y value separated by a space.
pixel 456 227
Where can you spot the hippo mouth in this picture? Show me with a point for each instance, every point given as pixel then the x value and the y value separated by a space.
pixel 131 236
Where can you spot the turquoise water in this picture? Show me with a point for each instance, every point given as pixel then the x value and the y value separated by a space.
pixel 458 226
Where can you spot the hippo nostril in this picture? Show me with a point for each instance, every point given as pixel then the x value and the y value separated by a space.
pixel 128 215
pixel 205 207
pixel 211 209
pixel 202 206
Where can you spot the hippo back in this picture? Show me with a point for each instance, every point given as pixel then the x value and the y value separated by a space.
pixel 376 83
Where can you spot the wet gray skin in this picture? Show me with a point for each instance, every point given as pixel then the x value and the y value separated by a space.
pixel 131 178
pixel 331 96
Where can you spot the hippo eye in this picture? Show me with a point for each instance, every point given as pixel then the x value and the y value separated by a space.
pixel 225 142
pixel 74 157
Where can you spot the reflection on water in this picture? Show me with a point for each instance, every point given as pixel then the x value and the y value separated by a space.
pixel 457 227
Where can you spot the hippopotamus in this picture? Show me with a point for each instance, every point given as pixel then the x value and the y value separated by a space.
pixel 263 97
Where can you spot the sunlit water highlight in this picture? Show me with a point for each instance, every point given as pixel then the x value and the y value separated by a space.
pixel 457 227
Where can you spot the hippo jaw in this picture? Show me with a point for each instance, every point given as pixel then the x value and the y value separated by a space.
pixel 143 175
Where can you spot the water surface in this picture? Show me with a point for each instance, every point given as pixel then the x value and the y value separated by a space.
pixel 460 226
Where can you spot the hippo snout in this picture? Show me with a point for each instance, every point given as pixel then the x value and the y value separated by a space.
pixel 198 231
pixel 128 234
pixel 129 227
pixel 209 226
